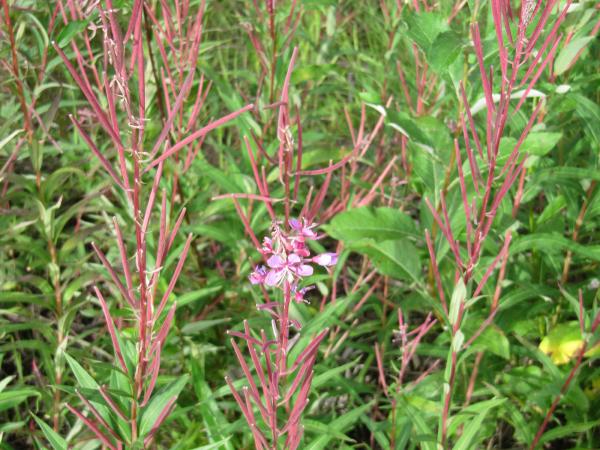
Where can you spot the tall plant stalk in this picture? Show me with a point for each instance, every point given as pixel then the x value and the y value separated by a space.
pixel 522 59
pixel 121 114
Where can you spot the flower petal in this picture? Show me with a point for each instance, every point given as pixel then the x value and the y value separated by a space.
pixel 275 262
pixel 258 276
pixel 304 270
pixel 294 259
pixel 274 277
pixel 326 259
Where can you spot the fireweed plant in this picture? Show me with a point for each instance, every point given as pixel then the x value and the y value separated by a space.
pixel 121 410
pixel 400 238
pixel 288 263
pixel 280 393
pixel 527 43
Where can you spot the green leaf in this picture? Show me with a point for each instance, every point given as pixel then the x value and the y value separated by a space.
pixel 215 445
pixel 408 126
pixel 87 382
pixel 320 429
pixel 468 439
pixel 9 138
pixel 338 426
pixel 567 55
pixel 5 382
pixel 12 397
pixel 212 416
pixel 397 259
pixel 444 50
pixel 57 442
pixel 589 111
pixel 158 403
pixel 320 321
pixel 553 243
pixel 425 27
pixel 72 29
pixel 540 143
pixel 200 294
pixel 379 224
pixel 84 379
pixel 322 378
pixel 425 435
pixel 459 295
pixel 494 341
pixel 568 430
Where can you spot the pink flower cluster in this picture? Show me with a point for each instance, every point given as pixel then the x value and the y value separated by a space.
pixel 288 257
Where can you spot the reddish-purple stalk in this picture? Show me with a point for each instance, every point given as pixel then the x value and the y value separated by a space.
pixel 118 75
pixel 271 39
pixel 409 341
pixel 480 218
pixel 283 386
pixel 425 82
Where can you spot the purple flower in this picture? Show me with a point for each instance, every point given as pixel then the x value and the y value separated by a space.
pixel 291 267
pixel 258 276
pixel 288 257
pixel 301 226
pixel 326 259
pixel 299 247
pixel 267 246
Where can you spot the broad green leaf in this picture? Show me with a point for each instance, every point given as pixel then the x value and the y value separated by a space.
pixel 467 413
pixel 589 111
pixel 87 382
pixel 57 442
pixel 379 224
pixel 5 382
pixel 10 398
pixel 553 243
pixel 397 259
pixel 540 143
pixel 443 51
pixel 468 438
pixel 8 138
pixel 524 430
pixel 554 207
pixel 380 431
pixel 200 294
pixel 494 341
pixel 322 378
pixel 568 430
pixel 425 435
pixel 72 29
pixel 84 379
pixel 425 27
pixel 408 126
pixel 567 54
pixel 320 429
pixel 320 321
pixel 158 402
